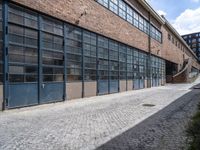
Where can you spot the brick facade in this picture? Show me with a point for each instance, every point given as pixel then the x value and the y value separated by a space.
pixel 90 15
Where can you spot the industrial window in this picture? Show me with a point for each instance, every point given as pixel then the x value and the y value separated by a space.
pixel 194 40
pixel 136 64
pixel 194 45
pixel 122 9
pixel 169 37
pixel 158 68
pixel 142 65
pixel 74 53
pixel 113 6
pixel 173 40
pixel 103 2
pixel 23 45
pixel 1 46
pixel 113 58
pixel 153 32
pixel 179 45
pixel 52 26
pixel 89 50
pixel 103 58
pixel 141 23
pixel 21 16
pixel 129 16
pixel 122 61
pixel 146 27
pixel 136 19
pixel 52 50
pixel 129 63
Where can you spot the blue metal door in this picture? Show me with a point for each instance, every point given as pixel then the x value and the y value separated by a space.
pixel 52 61
pixel 103 87
pixel 35 60
pixel 114 77
pixel 141 83
pixel 22 58
pixel 136 84
pixel 103 66
pixel 21 94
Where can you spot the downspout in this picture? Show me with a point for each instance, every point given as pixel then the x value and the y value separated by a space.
pixel 149 53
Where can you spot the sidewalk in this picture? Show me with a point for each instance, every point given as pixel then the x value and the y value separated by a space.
pixel 84 123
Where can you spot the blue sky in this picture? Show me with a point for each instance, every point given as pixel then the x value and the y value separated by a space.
pixel 184 15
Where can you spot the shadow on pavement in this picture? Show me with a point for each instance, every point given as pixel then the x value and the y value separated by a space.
pixel 165 130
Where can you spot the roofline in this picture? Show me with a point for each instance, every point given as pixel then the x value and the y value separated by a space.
pixel 179 36
pixel 163 21
pixel 148 7
pixel 191 33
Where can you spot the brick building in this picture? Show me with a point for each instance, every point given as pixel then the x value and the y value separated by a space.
pixel 57 50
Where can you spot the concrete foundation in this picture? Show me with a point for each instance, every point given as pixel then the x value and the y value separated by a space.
pixel 145 84
pixel 90 89
pixel 122 85
pixel 130 85
pixel 74 90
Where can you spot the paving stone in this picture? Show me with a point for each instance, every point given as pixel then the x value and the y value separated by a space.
pixel 117 121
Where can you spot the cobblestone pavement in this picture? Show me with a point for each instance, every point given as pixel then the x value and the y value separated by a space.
pixel 117 121
pixel 163 131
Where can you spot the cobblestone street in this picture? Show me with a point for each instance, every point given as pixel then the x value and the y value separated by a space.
pixel 145 119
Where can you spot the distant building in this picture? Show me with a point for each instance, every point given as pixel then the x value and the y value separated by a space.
pixel 193 40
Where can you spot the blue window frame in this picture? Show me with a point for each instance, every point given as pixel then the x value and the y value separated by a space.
pixel 129 16
pixel 122 61
pixel 1 46
pixel 23 45
pixel 103 61
pixel 52 50
pixel 89 50
pixel 113 58
pixel 104 2
pixel 114 6
pixel 74 53
pixel 124 11
pixel 129 63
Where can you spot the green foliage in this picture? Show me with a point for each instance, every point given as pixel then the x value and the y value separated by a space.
pixel 193 131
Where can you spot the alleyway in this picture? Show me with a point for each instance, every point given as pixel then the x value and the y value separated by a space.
pixel 145 119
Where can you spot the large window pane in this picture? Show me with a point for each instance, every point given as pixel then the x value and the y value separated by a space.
pixel 52 50
pixel 89 50
pixel 74 53
pixel 103 58
pixel 23 16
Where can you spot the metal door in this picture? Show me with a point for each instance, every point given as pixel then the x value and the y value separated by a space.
pixel 35 60
pixel 52 62
pixel 141 83
pixel 22 58
pixel 103 66
pixel 114 77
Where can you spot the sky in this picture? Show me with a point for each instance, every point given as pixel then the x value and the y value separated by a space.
pixel 184 15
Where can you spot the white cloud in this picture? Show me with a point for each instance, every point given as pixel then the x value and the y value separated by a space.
pixel 188 21
pixel 160 12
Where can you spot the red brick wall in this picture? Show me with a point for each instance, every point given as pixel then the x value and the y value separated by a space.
pixel 97 19
pixel 102 21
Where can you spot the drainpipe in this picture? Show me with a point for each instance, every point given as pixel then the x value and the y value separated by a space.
pixel 149 53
